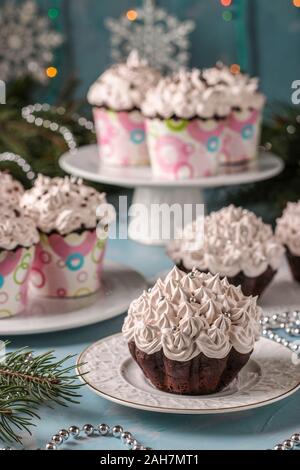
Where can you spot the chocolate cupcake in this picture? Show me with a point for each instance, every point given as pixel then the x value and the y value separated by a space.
pixel 69 256
pixel 11 190
pixel 116 98
pixel 18 240
pixel 288 232
pixel 192 333
pixel 236 244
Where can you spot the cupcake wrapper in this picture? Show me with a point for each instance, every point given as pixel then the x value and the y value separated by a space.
pixel 121 137
pixel 69 266
pixel 294 262
pixel 241 140
pixel 181 149
pixel 15 268
pixel 254 286
pixel 198 376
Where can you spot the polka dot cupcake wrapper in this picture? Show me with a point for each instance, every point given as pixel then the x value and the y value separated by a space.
pixel 67 267
pixel 241 139
pixel 181 149
pixel 121 137
pixel 15 269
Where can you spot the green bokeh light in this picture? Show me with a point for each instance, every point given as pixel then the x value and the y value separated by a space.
pixel 53 13
pixel 227 15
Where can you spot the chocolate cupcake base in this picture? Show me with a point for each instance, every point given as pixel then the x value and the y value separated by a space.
pixel 199 376
pixel 294 262
pixel 250 285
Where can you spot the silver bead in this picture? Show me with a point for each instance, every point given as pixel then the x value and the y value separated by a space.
pixel 130 443
pixel 117 431
pixel 274 317
pixel 192 275
pixel 271 335
pixel 288 444
pixel 57 440
pixel 138 447
pixel 296 438
pixel 103 429
pixel 51 446
pixel 88 429
pixel 149 290
pixel 74 431
pixel 288 330
pixel 193 300
pixel 294 347
pixel 279 447
pixel 125 435
pixel 265 320
pixel 295 331
pixel 265 332
pixel 285 343
pixel 64 434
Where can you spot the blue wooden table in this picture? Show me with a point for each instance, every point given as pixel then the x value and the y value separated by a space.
pixel 256 429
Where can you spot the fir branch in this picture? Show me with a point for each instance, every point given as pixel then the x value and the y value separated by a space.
pixel 27 381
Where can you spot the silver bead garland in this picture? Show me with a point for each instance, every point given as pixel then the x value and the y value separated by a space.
pixel 89 430
pixel 21 162
pixel 289 444
pixel 29 114
pixel 289 322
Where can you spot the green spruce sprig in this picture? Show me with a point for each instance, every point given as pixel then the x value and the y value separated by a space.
pixel 27 381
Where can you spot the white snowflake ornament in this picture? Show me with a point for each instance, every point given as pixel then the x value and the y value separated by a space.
pixel 26 41
pixel 158 37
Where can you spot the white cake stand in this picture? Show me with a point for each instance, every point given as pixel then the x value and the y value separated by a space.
pixel 85 163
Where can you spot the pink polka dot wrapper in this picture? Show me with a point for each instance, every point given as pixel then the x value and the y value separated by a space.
pixel 15 268
pixel 68 266
pixel 121 137
pixel 184 149
pixel 241 140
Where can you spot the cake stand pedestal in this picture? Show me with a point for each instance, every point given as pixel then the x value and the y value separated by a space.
pixel 146 220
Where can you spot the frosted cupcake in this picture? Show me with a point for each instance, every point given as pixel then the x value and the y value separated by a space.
pixel 117 97
pixel 288 232
pixel 18 238
pixel 237 244
pixel 69 257
pixel 243 127
pixel 192 333
pixel 185 125
pixel 11 190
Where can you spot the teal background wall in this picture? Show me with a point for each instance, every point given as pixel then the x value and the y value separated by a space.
pixel 266 37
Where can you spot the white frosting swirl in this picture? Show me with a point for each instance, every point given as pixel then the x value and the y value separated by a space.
pixel 63 205
pixel 235 240
pixel 212 93
pixel 189 314
pixel 16 229
pixel 11 190
pixel 123 87
pixel 288 228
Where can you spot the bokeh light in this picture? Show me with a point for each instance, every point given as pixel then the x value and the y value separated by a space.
pixel 227 15
pixel 226 3
pixel 53 13
pixel 235 69
pixel 132 15
pixel 51 72
pixel 296 3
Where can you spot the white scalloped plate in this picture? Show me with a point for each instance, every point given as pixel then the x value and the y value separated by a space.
pixel 120 286
pixel 109 371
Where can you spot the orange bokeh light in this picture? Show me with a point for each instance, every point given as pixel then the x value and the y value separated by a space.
pixel 51 72
pixel 235 69
pixel 132 15
pixel 296 3
pixel 226 3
